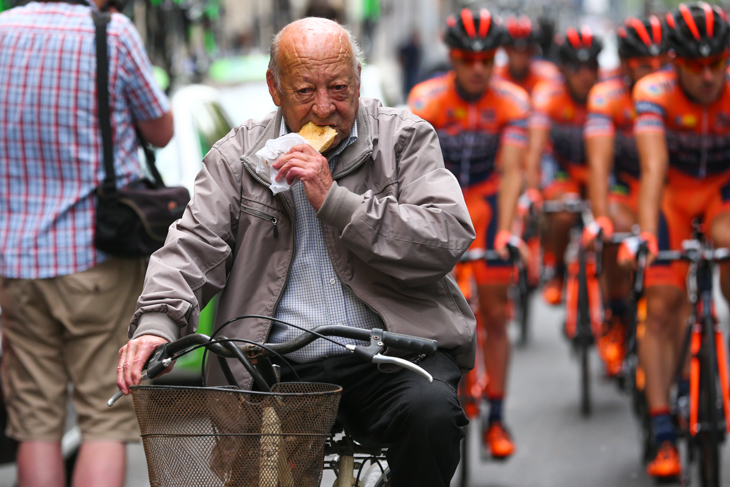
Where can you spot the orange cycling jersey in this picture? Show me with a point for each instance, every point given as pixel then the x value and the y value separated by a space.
pixel 539 70
pixel 471 133
pixel 611 113
pixel 698 137
pixel 553 108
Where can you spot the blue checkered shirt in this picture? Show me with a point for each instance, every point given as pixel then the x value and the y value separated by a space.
pixel 314 295
pixel 50 146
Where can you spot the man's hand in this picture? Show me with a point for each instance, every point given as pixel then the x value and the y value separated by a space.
pixel 303 162
pixel 601 224
pixel 503 238
pixel 132 358
pixel 531 198
pixel 630 247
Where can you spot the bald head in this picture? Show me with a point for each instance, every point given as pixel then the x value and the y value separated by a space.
pixel 313 38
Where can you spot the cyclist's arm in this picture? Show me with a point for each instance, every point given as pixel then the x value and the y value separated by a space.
pixel 538 132
pixel 654 158
pixel 651 101
pixel 193 265
pixel 510 186
pixel 537 143
pixel 599 151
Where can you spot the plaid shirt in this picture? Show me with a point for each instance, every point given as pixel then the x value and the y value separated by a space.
pixel 50 145
pixel 314 295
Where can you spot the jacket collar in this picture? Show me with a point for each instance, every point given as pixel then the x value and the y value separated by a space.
pixel 352 157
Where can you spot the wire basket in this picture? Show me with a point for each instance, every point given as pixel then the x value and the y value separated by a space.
pixel 221 436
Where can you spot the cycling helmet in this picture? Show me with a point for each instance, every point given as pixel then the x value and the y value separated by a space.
pixel 697 30
pixel 520 32
pixel 638 38
pixel 474 31
pixel 576 47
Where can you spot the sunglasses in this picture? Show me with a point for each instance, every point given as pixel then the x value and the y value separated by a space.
pixel 576 67
pixel 652 63
pixel 471 58
pixel 696 66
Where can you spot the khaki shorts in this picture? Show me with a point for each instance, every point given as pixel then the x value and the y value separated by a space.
pixel 68 331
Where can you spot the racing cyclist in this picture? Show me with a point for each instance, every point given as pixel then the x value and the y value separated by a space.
pixel 612 156
pixel 682 130
pixel 479 120
pixel 556 126
pixel 523 68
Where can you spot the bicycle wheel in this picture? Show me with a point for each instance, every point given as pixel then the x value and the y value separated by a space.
pixel 707 439
pixel 523 307
pixel 584 337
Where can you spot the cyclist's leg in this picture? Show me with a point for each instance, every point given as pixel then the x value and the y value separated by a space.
pixel 492 280
pixel 717 217
pixel 557 235
pixel 616 281
pixel 421 423
pixel 658 354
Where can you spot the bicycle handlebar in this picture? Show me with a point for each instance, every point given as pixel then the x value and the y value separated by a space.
pixel 165 354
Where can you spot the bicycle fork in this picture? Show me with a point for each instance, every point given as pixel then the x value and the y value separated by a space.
pixel 694 378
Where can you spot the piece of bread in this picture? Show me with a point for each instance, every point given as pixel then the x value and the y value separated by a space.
pixel 320 137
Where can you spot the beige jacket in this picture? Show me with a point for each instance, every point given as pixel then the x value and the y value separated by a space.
pixel 394 221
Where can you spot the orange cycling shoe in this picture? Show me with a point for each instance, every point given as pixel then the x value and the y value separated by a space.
pixel 553 291
pixel 666 462
pixel 498 441
pixel 611 345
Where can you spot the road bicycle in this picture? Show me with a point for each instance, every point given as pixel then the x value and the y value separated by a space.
pixel 473 387
pixel 274 437
pixel 706 426
pixel 584 314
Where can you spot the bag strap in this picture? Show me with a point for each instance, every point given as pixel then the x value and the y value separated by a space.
pixel 109 185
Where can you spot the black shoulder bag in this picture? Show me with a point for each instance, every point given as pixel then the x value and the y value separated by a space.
pixel 132 221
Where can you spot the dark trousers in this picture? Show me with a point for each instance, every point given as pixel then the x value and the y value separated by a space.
pixel 421 423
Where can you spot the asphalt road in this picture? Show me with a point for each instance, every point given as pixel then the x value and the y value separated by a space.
pixel 556 446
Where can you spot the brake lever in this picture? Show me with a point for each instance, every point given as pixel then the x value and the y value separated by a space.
pixel 384 359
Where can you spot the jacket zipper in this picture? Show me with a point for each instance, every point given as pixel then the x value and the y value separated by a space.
pixel 290 212
pixel 264 216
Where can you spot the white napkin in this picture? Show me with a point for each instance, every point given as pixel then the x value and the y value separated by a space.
pixel 272 152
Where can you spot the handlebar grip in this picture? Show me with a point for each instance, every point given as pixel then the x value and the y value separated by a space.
pixel 409 343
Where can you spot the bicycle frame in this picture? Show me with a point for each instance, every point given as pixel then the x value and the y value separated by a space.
pixel 705 346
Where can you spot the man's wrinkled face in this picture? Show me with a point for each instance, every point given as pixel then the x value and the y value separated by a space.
pixel 318 82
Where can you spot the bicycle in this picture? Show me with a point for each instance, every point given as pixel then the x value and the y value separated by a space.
pixel 704 345
pixel 583 313
pixel 473 387
pixel 283 444
pixel 584 316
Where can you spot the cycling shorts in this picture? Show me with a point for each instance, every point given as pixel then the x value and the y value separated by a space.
pixel 482 202
pixel 686 198
pixel 566 179
pixel 625 190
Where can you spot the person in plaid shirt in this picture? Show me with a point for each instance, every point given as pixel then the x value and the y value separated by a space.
pixel 66 305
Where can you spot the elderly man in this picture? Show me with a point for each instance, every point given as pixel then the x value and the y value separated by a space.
pixel 366 238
